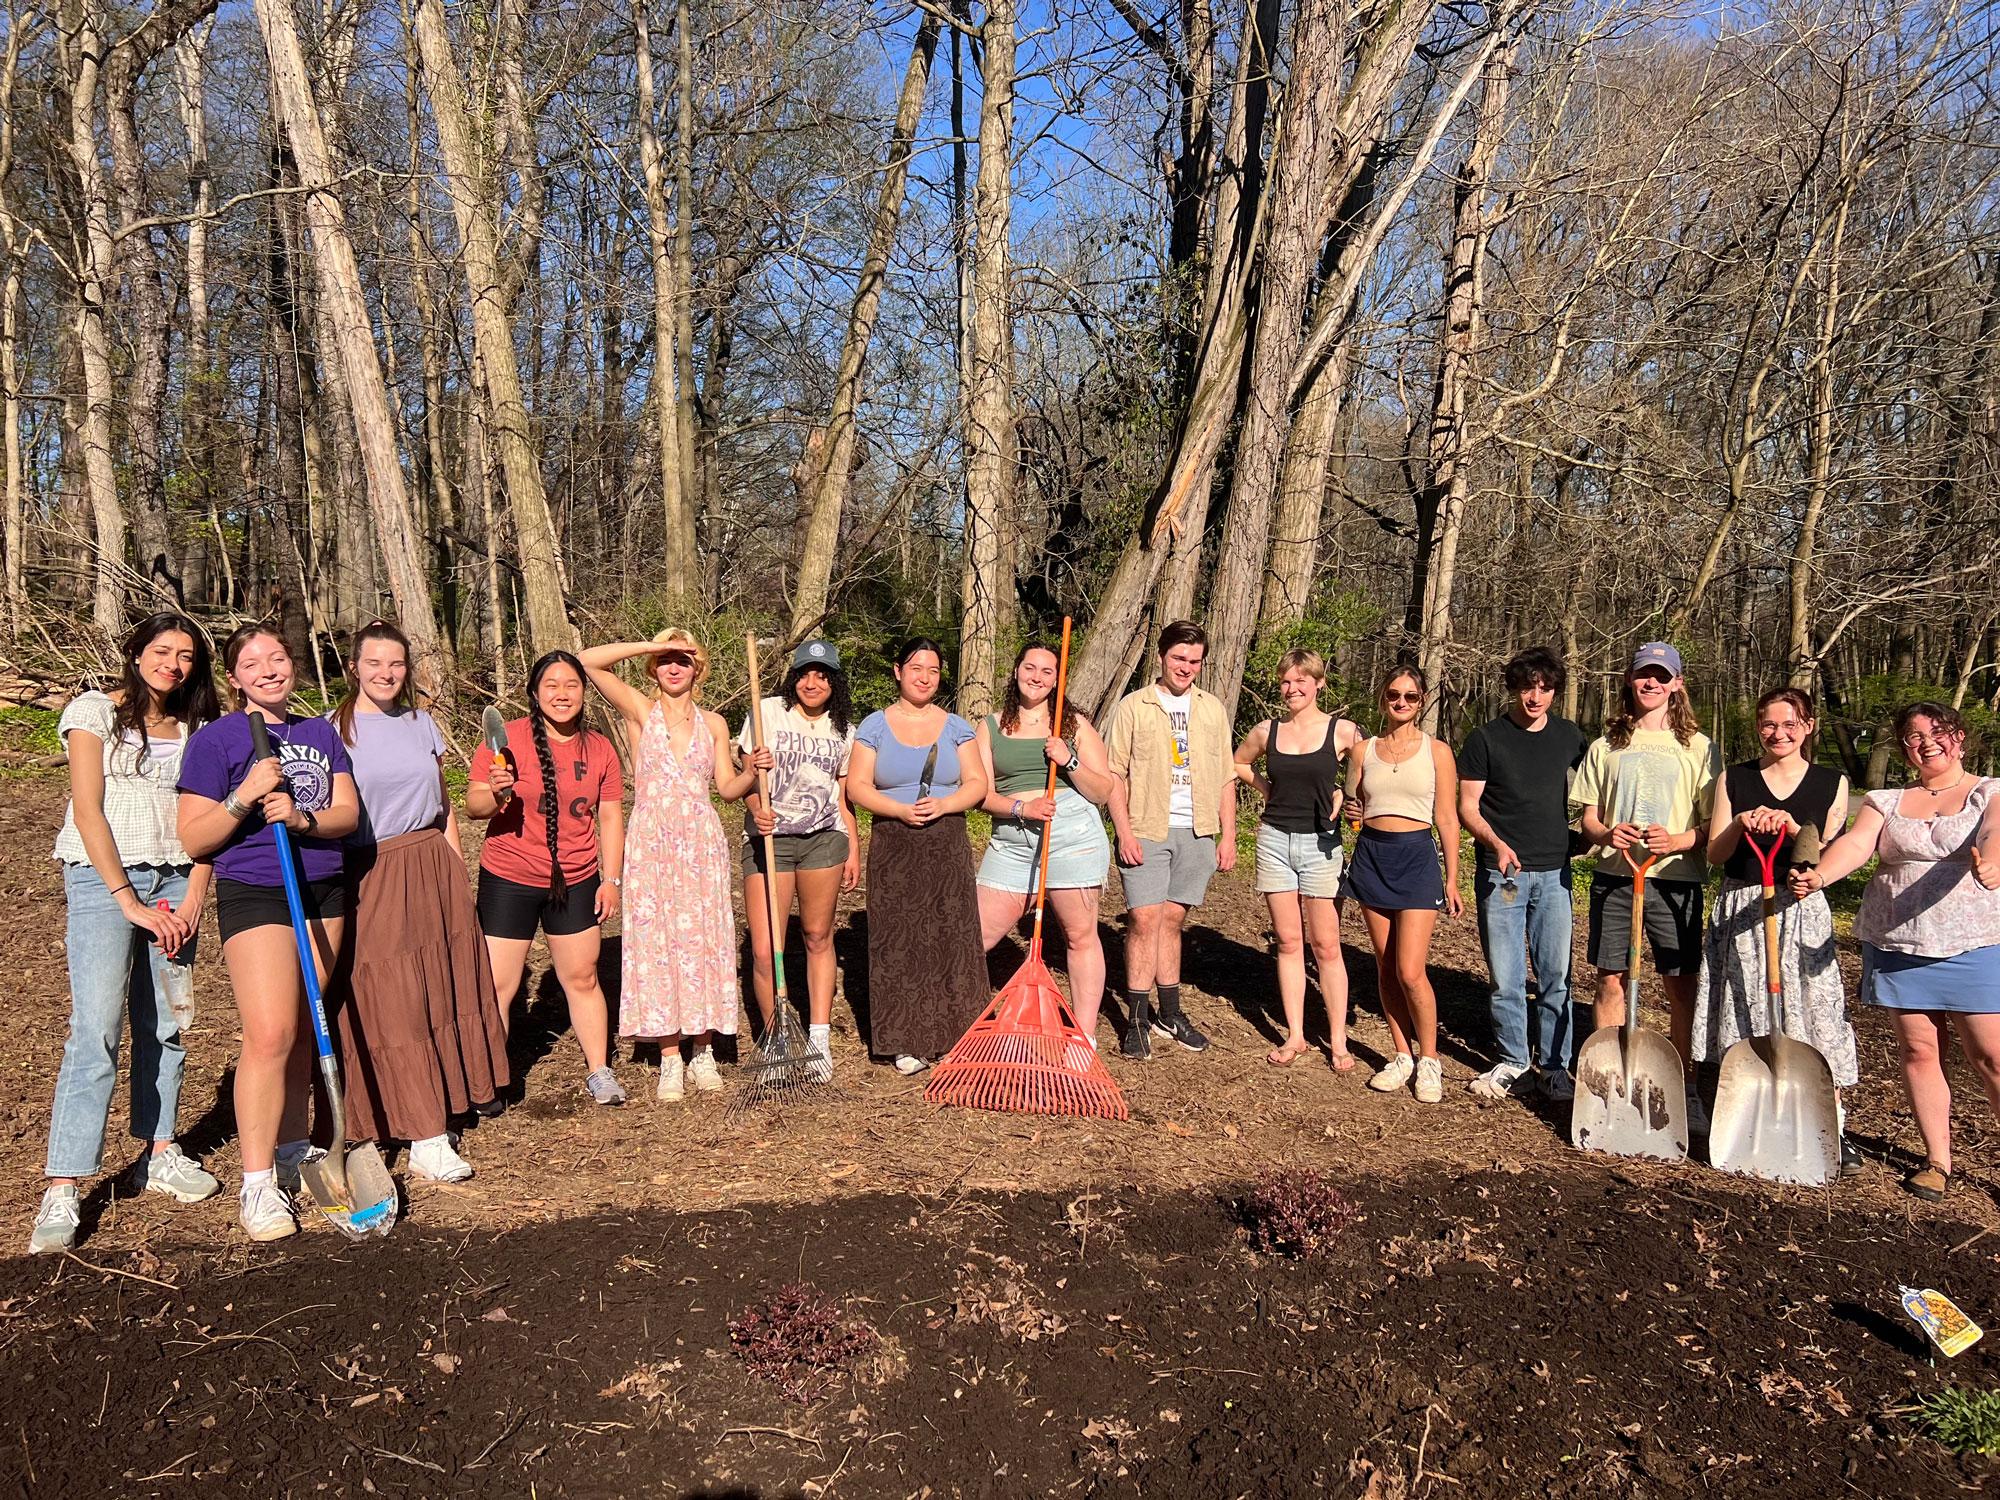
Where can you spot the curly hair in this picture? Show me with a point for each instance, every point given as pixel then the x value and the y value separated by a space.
pixel 1010 699
pixel 1944 720
pixel 839 705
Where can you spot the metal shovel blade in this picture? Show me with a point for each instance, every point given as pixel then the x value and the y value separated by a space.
pixel 357 1197
pixel 1630 1097
pixel 1775 1113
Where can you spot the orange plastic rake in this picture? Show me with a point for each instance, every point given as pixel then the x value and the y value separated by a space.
pixel 1025 1054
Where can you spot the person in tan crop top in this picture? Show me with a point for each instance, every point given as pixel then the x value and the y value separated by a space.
pixel 1403 784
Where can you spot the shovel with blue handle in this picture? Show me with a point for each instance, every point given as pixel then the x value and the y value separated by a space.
pixel 352 1188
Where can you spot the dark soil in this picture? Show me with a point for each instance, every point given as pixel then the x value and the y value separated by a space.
pixel 1487 1334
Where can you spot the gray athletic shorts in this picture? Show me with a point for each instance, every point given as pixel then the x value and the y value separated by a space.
pixel 1176 869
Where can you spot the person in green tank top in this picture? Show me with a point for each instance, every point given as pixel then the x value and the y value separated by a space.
pixel 1018 745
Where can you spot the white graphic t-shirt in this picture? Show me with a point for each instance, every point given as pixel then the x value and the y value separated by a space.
pixel 810 760
pixel 1180 797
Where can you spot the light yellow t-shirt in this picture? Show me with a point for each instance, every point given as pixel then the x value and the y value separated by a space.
pixel 1653 779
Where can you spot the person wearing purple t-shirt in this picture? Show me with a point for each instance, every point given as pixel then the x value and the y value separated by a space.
pixel 229 800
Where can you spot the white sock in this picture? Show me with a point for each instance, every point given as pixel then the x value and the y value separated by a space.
pixel 820 1036
pixel 266 1178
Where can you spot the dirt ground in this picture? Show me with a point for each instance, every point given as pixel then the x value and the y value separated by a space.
pixel 1069 1304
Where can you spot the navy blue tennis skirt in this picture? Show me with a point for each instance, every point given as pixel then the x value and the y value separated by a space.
pixel 1396 871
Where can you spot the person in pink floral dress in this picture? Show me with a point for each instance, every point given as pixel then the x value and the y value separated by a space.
pixel 679 949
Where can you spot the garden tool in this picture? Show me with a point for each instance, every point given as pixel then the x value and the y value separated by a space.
pixel 352 1187
pixel 1776 1114
pixel 1026 1053
pixel 1631 1096
pixel 493 730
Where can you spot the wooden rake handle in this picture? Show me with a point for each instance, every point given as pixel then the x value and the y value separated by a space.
pixel 1638 867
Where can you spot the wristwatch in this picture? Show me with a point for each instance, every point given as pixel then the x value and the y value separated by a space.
pixel 312 823
pixel 1073 762
pixel 616 882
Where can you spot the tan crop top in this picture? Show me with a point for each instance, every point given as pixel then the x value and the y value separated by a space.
pixel 1399 789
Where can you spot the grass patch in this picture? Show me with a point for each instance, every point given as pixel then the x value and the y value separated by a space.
pixel 1964 1421
pixel 30 729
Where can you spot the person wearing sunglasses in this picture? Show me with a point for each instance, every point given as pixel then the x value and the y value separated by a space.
pixel 1647 787
pixel 1930 920
pixel 1402 784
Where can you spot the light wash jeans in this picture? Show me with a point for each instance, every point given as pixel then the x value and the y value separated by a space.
pixel 114 968
pixel 1534 927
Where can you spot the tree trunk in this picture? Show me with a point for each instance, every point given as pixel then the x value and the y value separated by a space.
pixel 20 31
pixel 681 576
pixel 989 434
pixel 698 503
pixel 1302 170
pixel 200 402
pixel 1301 496
pixel 500 373
pixel 96 272
pixel 340 286
pixel 836 440
pixel 1441 506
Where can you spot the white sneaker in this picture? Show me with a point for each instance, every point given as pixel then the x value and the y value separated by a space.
pixel 435 1161
pixel 673 1079
pixel 1697 1113
pixel 179 1176
pixel 1430 1080
pixel 56 1220
pixel 908 1066
pixel 701 1071
pixel 1501 1081
pixel 820 1040
pixel 266 1213
pixel 1395 1075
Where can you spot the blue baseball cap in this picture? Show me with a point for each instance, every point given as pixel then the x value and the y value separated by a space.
pixel 1657 654
pixel 817 654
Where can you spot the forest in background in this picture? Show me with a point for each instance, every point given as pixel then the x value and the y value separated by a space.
pixel 1378 326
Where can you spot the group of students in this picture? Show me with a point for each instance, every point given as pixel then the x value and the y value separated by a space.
pixel 169 798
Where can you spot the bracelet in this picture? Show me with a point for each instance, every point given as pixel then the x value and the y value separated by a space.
pixel 123 889
pixel 1015 814
pixel 237 810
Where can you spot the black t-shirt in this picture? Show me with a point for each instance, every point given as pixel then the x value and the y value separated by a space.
pixel 1526 800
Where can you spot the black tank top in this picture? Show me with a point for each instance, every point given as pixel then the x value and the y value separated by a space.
pixel 1809 805
pixel 1302 786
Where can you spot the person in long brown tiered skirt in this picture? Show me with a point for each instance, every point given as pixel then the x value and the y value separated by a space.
pixel 421 1035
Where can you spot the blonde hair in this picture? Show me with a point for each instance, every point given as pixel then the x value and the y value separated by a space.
pixel 1300 659
pixel 673 638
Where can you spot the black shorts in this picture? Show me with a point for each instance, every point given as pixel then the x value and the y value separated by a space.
pixel 239 907
pixel 508 909
pixel 1672 918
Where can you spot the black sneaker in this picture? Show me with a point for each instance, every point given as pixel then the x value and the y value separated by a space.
pixel 1851 1164
pixel 1137 1045
pixel 1181 1029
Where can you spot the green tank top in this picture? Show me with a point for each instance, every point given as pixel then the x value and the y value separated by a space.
pixel 1020 768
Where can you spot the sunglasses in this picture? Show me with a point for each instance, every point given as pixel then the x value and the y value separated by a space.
pixel 676 659
pixel 1402 697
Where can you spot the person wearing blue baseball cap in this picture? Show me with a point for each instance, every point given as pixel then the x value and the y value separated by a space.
pixel 1648 785
pixel 809 730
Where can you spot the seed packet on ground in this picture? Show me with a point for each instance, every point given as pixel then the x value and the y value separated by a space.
pixel 1935 1313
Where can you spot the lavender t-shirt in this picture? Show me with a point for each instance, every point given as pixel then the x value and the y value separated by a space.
pixel 220 756
pixel 396 771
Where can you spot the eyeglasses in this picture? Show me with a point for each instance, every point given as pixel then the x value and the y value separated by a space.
pixel 1942 738
pixel 1402 697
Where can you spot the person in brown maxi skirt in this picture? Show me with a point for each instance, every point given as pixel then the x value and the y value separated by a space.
pixel 421 1035
pixel 916 768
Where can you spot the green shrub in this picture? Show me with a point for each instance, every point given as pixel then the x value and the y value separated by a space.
pixel 1964 1421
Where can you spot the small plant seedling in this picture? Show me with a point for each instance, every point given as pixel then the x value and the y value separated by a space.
pixel 799 1341
pixel 1964 1421
pixel 1297 1213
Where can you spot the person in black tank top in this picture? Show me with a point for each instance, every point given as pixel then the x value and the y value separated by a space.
pixel 1776 795
pixel 1299 859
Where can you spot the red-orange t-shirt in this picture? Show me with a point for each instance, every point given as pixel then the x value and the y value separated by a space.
pixel 517 839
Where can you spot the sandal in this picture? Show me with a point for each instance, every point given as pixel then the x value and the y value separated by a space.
pixel 1285 1056
pixel 1930 1184
pixel 1343 1062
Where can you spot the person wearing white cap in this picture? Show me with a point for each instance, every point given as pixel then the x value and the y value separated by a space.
pixel 1648 784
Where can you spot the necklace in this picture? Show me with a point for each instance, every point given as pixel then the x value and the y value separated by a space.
pixel 1938 791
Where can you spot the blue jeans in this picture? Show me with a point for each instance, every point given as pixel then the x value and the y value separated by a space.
pixel 1533 927
pixel 114 968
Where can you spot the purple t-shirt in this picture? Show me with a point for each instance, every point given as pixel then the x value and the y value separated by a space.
pixel 220 756
pixel 396 772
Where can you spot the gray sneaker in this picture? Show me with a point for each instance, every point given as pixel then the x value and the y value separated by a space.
pixel 1502 1081
pixel 604 1087
pixel 178 1175
pixel 55 1221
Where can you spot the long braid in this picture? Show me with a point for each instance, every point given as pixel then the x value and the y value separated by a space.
pixel 551 802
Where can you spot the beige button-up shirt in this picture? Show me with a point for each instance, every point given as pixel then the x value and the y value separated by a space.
pixel 1141 742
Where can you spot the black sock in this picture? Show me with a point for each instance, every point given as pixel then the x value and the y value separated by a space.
pixel 1137 1001
pixel 1170 1001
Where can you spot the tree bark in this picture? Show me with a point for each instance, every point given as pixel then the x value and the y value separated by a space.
pixel 340 285
pixel 990 415
pixel 200 401
pixel 836 440
pixel 22 27
pixel 699 503
pixel 499 372
pixel 1301 496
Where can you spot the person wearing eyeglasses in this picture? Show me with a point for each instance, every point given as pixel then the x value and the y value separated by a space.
pixel 1930 920
pixel 1648 785
pixel 1402 784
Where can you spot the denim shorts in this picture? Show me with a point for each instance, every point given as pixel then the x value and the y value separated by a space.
pixel 1309 863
